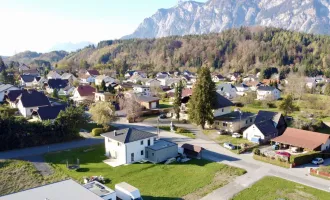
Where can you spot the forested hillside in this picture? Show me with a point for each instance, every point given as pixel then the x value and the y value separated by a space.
pixel 241 49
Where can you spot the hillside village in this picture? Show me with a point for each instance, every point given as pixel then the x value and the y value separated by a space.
pixel 250 114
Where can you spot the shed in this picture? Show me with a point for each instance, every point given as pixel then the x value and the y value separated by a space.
pixel 161 151
pixel 192 151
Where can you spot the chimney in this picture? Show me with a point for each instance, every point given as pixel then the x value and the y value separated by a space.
pixel 114 133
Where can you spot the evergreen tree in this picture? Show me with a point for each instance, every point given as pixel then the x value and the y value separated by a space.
pixel 55 93
pixel 203 98
pixel 177 100
pixel 103 86
pixel 287 105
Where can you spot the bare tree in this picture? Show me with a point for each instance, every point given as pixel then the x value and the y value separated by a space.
pixel 132 107
pixel 295 85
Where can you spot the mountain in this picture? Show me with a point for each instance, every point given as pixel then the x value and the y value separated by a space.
pixel 31 57
pixel 69 46
pixel 190 17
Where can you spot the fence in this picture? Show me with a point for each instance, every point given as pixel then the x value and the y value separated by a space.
pixel 273 161
pixel 319 173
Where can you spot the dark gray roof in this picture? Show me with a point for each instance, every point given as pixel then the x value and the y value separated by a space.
pixel 57 83
pixel 268 115
pixel 33 98
pixel 147 99
pixel 266 88
pixel 234 116
pixel 162 76
pixel 50 112
pixel 161 144
pixel 221 101
pixel 27 78
pixel 13 94
pixel 128 135
pixel 267 128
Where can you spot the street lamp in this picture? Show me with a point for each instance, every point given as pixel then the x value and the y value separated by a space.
pixel 239 127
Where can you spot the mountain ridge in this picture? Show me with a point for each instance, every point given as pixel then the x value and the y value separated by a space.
pixel 191 17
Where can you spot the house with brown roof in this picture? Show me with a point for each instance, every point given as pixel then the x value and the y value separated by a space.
pixel 83 93
pixel 303 139
pixel 149 102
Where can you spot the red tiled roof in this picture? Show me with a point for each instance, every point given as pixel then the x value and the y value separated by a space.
pixel 86 90
pixel 301 138
pixel 93 72
pixel 186 92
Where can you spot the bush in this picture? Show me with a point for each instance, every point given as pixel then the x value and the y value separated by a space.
pixel 304 158
pixel 256 151
pixel 181 130
pixel 97 131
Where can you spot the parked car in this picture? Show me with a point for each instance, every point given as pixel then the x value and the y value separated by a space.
pixel 229 145
pixel 283 153
pixel 162 116
pixel 317 161
pixel 236 135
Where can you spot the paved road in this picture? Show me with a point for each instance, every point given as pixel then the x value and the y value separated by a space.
pixel 40 164
pixel 33 151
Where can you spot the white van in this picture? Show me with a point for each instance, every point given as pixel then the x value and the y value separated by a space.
pixel 125 191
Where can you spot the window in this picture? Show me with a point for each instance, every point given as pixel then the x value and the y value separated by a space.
pixel 149 142
pixel 147 154
pixel 142 153
pixel 222 109
pixel 251 120
pixel 224 124
pixel 141 142
pixel 31 110
pixel 118 143
pixel 246 121
pixel 132 157
pixel 152 154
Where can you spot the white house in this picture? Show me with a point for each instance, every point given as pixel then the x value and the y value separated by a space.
pixel 53 75
pixel 31 100
pixel 126 146
pixel 70 77
pixel 227 90
pixel 67 91
pixel 163 78
pixel 268 93
pixel 310 82
pixel 250 78
pixel 145 90
pixel 4 89
pixel 242 89
pixel 27 80
pixel 222 105
pixel 136 78
pixel 261 132
pixel 106 79
pixel 218 78
pixel 153 83
pixel 83 93
pixel 11 97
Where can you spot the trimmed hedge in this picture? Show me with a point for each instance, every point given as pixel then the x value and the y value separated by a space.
pixel 307 157
pixel 97 131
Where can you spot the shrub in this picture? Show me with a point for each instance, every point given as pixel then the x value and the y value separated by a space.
pixel 181 130
pixel 256 151
pixel 97 131
pixel 304 158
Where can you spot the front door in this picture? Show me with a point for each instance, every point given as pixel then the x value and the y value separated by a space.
pixel 132 157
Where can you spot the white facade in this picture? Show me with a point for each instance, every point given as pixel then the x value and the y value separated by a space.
pixel 26 112
pixel 142 89
pixel 153 83
pixel 5 89
pixel 222 111
pixel 253 132
pixel 268 94
pixel 126 153
pixel 53 75
pixel 106 79
pixel 326 146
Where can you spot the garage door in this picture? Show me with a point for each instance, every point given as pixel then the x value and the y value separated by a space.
pixel 154 105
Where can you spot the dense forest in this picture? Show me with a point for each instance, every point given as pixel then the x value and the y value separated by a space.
pixel 237 50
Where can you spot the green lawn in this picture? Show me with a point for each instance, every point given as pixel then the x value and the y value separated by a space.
pixel 273 188
pixel 18 175
pixel 165 104
pixel 235 141
pixel 184 132
pixel 154 180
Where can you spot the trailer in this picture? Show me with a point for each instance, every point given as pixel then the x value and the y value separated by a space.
pixel 125 191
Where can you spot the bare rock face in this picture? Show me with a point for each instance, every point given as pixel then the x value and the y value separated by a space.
pixel 189 17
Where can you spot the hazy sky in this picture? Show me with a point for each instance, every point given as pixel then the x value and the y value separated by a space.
pixel 38 25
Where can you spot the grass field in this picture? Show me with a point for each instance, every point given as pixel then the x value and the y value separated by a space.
pixel 155 181
pixel 165 104
pixel 273 188
pixel 18 175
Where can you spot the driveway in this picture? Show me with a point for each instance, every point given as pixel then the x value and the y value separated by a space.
pixel 166 122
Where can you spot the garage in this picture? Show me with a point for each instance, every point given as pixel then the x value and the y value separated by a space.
pixel 153 105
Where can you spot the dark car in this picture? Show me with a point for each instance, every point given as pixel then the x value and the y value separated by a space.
pixel 162 116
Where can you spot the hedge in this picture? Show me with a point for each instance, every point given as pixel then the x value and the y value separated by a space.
pixel 97 131
pixel 307 157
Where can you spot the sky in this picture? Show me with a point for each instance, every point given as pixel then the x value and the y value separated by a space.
pixel 38 25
